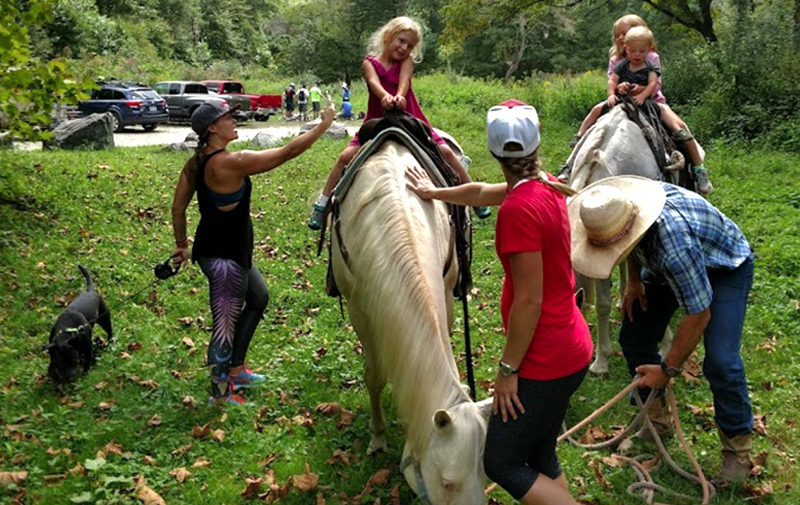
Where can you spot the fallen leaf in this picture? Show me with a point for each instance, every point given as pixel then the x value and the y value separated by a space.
pixel 252 488
pixel 381 477
pixel 346 420
pixel 149 460
pixel 100 385
pixel 188 342
pixel 339 456
pixel 329 409
pixel 760 424
pixel 219 435
pixel 307 481
pixel 188 401
pixel 154 421
pixel 201 431
pixel 394 496
pixel 53 452
pixel 149 384
pixel 78 470
pixel 147 495
pixel 182 450
pixel 181 474
pixel 320 499
pixel 7 478
pixel 202 462
pixel 76 405
pixel 55 478
pixel 266 461
pixel 113 448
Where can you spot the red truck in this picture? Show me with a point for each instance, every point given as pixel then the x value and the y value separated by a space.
pixel 261 106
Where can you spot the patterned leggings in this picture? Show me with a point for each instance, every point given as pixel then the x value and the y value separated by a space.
pixel 238 299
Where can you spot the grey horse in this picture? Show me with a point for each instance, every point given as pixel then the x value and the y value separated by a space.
pixel 615 145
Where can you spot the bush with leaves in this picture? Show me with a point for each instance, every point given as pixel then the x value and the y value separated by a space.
pixel 29 87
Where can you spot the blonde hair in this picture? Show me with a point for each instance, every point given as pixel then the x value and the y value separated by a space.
pixel 629 20
pixel 385 34
pixel 640 34
pixel 528 167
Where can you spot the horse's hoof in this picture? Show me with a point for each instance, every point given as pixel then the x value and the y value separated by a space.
pixel 598 368
pixel 376 444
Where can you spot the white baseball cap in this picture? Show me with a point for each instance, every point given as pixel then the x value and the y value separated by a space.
pixel 512 122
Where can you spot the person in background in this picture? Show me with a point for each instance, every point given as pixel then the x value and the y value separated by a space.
pixel 315 94
pixel 388 68
pixel 223 241
pixel 548 345
pixel 288 101
pixel 302 102
pixel 682 252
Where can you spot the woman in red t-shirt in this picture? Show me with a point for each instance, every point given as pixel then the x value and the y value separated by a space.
pixel 548 344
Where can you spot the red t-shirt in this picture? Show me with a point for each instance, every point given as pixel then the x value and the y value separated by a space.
pixel 533 217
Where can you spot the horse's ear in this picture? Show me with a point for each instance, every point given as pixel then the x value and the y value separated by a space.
pixel 442 420
pixel 485 407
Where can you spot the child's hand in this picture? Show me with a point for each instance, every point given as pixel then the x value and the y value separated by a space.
pixel 387 102
pixel 639 99
pixel 329 113
pixel 624 88
pixel 612 100
pixel 400 102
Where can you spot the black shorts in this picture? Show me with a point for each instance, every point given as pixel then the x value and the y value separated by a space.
pixel 302 107
pixel 290 106
pixel 315 106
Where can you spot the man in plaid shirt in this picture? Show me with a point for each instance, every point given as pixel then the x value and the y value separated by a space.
pixel 687 255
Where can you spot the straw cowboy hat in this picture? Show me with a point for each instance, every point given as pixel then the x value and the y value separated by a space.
pixel 608 218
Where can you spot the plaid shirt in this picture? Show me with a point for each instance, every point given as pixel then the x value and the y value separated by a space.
pixel 688 238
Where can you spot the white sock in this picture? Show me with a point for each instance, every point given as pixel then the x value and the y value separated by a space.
pixel 323 200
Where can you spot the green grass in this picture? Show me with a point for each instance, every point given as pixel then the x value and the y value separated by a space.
pixel 110 211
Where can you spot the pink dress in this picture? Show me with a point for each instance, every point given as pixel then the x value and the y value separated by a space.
pixel 653 58
pixel 390 80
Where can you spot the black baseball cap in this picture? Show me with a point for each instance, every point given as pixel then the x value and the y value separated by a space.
pixel 207 114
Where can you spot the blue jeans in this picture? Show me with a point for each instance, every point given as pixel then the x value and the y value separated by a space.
pixel 722 365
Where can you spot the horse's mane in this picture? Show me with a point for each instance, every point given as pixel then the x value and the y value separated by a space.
pixel 398 245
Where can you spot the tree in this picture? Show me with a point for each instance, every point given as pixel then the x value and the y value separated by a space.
pixel 466 17
pixel 29 87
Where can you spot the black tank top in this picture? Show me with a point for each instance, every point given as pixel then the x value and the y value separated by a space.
pixel 221 234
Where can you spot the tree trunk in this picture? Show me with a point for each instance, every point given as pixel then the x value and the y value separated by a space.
pixel 796 34
pixel 513 62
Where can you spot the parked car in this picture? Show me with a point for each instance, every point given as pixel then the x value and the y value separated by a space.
pixel 262 106
pixel 128 103
pixel 183 97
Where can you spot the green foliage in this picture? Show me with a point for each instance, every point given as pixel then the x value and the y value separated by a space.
pixel 745 87
pixel 29 87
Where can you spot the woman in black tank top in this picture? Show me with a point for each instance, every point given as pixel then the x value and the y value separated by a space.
pixel 223 241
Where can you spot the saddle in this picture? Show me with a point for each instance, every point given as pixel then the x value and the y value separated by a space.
pixel 415 135
pixel 666 152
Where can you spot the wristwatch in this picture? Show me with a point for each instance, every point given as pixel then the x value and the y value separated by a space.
pixel 669 371
pixel 507 370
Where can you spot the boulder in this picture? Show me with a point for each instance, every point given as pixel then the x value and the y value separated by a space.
pixel 267 140
pixel 336 131
pixel 91 132
pixel 188 144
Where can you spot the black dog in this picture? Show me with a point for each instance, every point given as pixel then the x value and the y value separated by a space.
pixel 71 337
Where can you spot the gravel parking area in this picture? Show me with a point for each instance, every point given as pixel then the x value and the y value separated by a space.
pixel 173 133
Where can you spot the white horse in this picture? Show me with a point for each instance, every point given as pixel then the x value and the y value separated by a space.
pixel 615 145
pixel 394 261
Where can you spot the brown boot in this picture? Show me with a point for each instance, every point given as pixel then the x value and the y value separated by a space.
pixel 659 413
pixel 736 462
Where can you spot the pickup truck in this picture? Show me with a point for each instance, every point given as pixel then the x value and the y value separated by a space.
pixel 183 97
pixel 262 106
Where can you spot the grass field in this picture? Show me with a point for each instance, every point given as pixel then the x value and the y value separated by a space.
pixel 141 412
